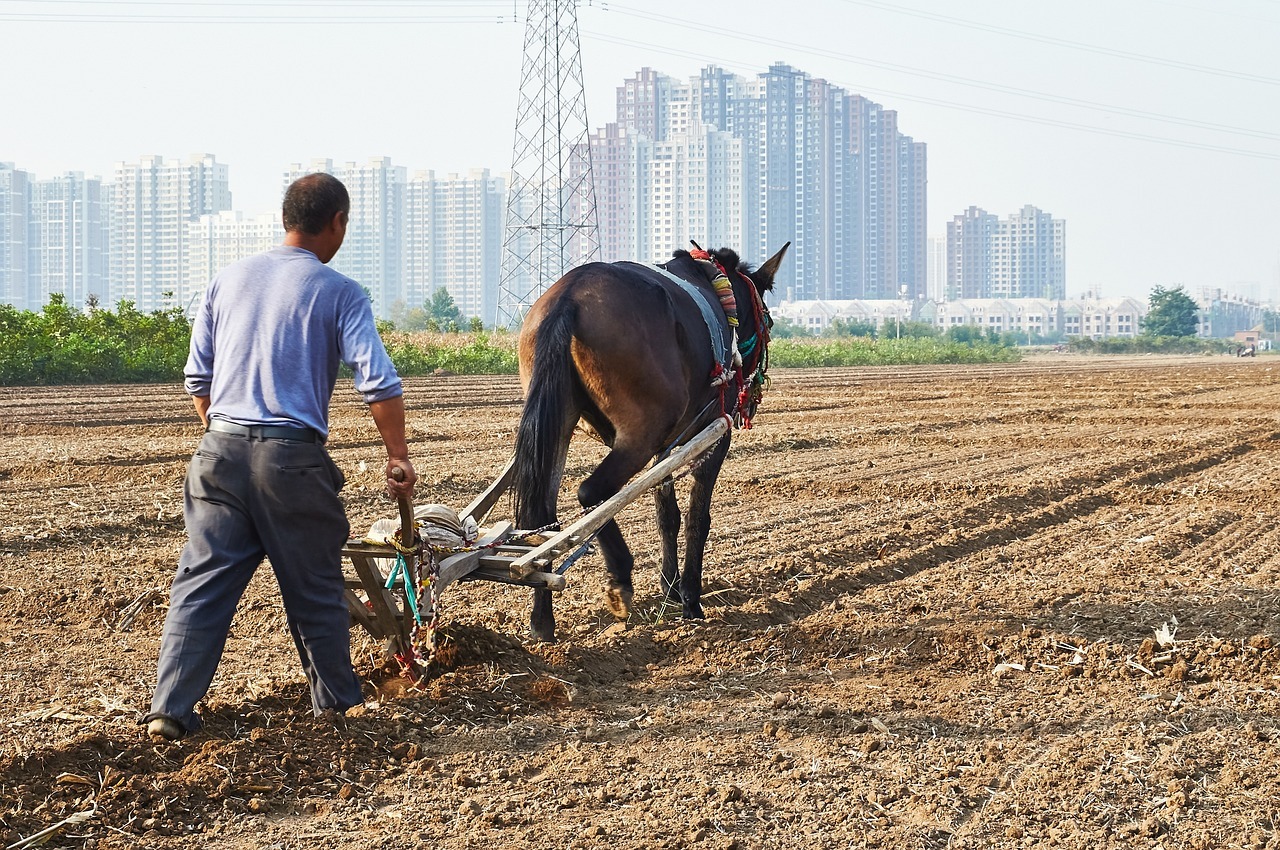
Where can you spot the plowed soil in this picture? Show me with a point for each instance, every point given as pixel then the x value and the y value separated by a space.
pixel 1031 605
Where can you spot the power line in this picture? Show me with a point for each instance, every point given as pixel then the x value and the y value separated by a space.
pixel 1217 11
pixel 967 81
pixel 1062 42
pixel 180 4
pixel 974 83
pixel 249 19
pixel 191 11
pixel 1052 122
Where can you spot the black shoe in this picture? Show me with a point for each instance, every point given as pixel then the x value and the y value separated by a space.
pixel 165 728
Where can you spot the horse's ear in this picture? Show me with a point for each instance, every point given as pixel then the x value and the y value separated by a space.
pixel 770 268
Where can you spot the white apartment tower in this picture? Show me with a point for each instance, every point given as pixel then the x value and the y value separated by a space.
pixel 695 192
pixel 154 200
pixel 619 156
pixel 936 269
pixel 1022 256
pixel 70 227
pixel 453 240
pixel 15 200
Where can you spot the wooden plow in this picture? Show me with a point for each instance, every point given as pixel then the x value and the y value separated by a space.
pixel 390 600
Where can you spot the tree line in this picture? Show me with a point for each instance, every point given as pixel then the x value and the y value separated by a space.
pixel 62 345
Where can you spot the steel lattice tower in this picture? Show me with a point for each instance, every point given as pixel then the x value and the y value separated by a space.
pixel 551 202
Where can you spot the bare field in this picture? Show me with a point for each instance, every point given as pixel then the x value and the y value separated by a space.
pixel 1029 605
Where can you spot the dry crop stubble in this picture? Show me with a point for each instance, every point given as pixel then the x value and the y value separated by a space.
pixel 935 604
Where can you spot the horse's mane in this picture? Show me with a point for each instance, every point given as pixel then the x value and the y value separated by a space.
pixel 726 257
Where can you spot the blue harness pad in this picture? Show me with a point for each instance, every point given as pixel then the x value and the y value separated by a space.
pixel 712 314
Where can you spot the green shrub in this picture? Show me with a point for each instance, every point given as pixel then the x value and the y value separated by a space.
pixel 62 345
pixel 860 351
pixel 458 353
pixel 1151 345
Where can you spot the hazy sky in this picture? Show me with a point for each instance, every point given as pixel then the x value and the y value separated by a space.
pixel 1151 126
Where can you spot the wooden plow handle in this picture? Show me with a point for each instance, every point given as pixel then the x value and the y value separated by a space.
pixel 408 531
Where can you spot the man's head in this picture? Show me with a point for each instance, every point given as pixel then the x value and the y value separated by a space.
pixel 315 213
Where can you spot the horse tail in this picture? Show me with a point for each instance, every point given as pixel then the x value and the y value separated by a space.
pixel 544 420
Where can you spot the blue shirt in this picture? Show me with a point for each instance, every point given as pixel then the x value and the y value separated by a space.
pixel 269 336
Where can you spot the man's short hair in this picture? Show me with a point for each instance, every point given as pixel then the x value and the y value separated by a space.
pixel 311 202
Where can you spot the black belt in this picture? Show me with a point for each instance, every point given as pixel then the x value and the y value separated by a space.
pixel 265 432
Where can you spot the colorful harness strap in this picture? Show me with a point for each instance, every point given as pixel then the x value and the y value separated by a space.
pixel 721 284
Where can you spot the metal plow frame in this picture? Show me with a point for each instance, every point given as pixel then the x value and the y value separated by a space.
pixel 388 615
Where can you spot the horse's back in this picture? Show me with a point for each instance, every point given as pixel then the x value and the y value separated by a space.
pixel 630 342
pixel 618 307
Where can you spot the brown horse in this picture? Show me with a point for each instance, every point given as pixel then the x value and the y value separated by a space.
pixel 628 350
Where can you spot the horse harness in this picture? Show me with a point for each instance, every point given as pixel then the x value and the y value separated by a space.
pixel 752 358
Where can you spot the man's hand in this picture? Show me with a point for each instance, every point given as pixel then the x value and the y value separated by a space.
pixel 403 486
pixel 388 415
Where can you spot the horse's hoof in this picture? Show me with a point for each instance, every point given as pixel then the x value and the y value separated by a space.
pixel 694 612
pixel 618 600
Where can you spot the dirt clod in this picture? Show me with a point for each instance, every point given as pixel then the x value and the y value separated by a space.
pixel 882 541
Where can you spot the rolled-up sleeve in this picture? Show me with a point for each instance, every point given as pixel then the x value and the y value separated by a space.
pixel 361 348
pixel 198 373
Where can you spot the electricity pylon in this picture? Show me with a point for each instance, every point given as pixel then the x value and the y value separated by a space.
pixel 551 200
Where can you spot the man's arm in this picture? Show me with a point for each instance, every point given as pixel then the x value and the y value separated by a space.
pixel 388 415
pixel 202 408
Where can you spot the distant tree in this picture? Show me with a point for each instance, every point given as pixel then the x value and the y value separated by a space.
pixel 1170 312
pixel 408 318
pixel 849 327
pixel 397 314
pixel 910 330
pixel 784 328
pixel 1271 323
pixel 896 328
pixel 442 308
pixel 476 325
pixel 965 334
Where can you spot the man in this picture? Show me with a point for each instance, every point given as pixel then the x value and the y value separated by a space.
pixel 265 351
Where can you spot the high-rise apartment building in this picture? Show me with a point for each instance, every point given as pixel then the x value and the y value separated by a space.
pixel 619 155
pixel 1022 256
pixel 70 235
pixel 936 269
pixel 154 199
pixel 453 237
pixel 753 164
pixel 970 236
pixel 15 201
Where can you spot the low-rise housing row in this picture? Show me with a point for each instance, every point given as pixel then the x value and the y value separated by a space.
pixel 1097 318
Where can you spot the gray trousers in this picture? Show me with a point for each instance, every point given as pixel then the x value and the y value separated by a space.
pixel 246 498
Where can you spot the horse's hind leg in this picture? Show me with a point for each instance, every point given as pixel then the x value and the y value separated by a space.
pixel 609 477
pixel 668 515
pixel 698 527
pixel 542 618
